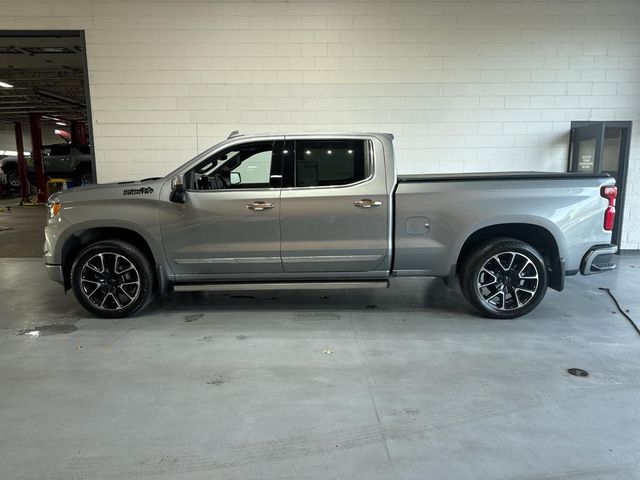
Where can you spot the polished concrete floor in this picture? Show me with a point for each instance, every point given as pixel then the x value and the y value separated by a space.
pixel 405 383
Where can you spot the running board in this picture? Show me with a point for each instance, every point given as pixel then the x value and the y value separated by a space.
pixel 218 287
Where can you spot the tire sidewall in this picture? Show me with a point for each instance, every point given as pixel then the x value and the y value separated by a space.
pixel 135 256
pixel 82 174
pixel 477 260
pixel 13 174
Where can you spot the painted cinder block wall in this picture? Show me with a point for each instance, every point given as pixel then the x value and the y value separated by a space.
pixel 464 86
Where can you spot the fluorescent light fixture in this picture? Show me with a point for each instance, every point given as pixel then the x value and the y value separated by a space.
pixel 13 153
pixel 61 123
pixel 5 85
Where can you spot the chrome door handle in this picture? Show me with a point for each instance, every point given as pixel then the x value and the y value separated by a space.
pixel 367 203
pixel 259 205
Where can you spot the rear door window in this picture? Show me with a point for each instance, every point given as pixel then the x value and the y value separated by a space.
pixel 60 150
pixel 330 162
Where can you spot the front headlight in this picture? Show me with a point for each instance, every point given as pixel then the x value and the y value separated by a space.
pixel 54 208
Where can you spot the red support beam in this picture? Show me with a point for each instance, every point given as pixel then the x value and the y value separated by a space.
pixel 22 165
pixel 82 134
pixel 36 154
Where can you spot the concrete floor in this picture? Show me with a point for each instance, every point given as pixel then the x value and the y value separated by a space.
pixel 405 383
pixel 21 229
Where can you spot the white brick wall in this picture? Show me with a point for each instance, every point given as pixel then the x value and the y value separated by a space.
pixel 464 86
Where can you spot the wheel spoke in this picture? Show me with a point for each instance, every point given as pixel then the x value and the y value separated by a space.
pixel 514 295
pixel 520 289
pixel 97 286
pixel 115 299
pixel 495 278
pixel 126 293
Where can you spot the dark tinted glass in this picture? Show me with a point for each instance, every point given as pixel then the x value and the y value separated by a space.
pixel 329 162
pixel 60 150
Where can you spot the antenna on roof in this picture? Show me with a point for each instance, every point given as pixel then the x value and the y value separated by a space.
pixel 235 133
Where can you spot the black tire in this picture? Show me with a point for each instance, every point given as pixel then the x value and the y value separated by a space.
pixel 84 176
pixel 125 285
pixel 13 178
pixel 504 278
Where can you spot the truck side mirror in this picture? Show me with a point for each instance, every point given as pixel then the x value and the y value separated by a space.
pixel 177 189
pixel 235 178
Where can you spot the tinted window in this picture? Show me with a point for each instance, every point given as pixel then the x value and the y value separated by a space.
pixel 243 166
pixel 60 150
pixel 330 162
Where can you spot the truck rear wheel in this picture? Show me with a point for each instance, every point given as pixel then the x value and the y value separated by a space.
pixel 112 279
pixel 83 177
pixel 504 278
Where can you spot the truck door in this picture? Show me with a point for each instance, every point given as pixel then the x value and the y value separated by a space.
pixel 229 221
pixel 57 159
pixel 335 210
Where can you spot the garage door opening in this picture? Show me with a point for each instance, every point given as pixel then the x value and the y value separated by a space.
pixel 45 124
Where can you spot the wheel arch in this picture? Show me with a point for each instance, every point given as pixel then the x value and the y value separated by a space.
pixel 538 236
pixel 80 239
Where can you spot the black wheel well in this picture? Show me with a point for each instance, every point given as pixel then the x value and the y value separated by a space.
pixel 79 240
pixel 538 237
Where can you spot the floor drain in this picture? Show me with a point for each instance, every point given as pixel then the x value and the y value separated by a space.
pixel 578 372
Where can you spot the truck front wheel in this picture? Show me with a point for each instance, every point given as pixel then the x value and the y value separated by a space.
pixel 504 278
pixel 13 179
pixel 112 279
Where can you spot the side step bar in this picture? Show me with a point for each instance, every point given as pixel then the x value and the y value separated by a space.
pixel 220 287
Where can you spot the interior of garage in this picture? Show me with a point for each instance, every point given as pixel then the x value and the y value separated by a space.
pixel 401 383
pixel 43 107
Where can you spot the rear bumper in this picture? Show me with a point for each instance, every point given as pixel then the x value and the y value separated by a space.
pixel 598 259
pixel 55 273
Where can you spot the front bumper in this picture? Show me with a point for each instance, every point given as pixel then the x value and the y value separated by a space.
pixel 55 273
pixel 598 259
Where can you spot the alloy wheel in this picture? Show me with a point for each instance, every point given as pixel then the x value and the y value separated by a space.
pixel 110 281
pixel 508 281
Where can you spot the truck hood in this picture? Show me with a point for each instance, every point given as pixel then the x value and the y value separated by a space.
pixel 146 189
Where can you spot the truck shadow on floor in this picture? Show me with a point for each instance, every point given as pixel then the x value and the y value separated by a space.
pixel 428 295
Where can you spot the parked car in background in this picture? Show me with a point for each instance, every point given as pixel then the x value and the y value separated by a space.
pixel 9 169
pixel 327 211
pixel 61 160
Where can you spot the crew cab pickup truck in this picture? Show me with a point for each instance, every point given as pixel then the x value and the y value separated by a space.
pixel 60 160
pixel 326 211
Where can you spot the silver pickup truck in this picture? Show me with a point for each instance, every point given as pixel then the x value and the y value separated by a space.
pixel 326 211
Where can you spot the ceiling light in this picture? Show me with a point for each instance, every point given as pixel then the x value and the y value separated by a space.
pixel 13 153
pixel 350 151
pixel 61 124
pixel 5 85
pixel 329 152
pixel 308 152
pixel 285 151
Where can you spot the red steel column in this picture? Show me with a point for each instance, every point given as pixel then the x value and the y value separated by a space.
pixel 22 165
pixel 82 134
pixel 36 155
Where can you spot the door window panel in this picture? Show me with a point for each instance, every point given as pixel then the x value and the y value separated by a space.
pixel 330 162
pixel 240 167
pixel 59 150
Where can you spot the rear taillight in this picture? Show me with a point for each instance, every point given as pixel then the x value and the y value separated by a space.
pixel 610 194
